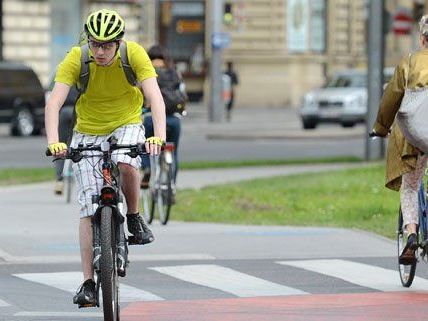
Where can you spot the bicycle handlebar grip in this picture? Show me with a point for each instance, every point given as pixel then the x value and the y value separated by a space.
pixel 48 152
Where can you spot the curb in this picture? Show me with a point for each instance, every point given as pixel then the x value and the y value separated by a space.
pixel 252 136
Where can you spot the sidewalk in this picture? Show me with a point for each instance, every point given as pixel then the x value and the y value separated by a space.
pixel 261 123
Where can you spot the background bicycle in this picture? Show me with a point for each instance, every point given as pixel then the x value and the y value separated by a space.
pixel 159 197
pixel 68 177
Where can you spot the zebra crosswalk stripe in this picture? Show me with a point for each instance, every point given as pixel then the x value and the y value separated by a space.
pixel 365 275
pixel 3 304
pixel 68 281
pixel 227 280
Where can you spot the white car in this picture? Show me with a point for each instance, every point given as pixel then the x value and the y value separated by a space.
pixel 343 100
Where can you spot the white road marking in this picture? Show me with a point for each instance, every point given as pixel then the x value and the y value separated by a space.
pixel 227 280
pixel 69 281
pixel 59 314
pixel 369 276
pixel 3 304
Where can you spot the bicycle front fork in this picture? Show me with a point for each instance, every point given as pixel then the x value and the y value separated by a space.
pixel 121 249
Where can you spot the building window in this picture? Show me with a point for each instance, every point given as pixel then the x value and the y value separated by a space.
pixel 306 21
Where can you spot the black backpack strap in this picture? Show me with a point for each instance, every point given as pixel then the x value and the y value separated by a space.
pixel 84 68
pixel 127 69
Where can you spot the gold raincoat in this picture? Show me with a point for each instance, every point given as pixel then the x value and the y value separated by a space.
pixel 401 156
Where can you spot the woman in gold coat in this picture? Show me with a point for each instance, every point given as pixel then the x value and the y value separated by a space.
pixel 405 164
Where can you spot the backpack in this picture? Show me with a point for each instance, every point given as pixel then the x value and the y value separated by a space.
pixel 84 67
pixel 169 85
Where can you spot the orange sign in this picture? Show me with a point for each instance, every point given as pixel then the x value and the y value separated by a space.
pixel 188 26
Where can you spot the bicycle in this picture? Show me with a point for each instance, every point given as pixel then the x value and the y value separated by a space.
pixel 69 180
pixel 407 271
pixel 110 245
pixel 161 186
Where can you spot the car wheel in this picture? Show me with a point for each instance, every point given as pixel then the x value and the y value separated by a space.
pixel 309 124
pixel 348 124
pixel 23 123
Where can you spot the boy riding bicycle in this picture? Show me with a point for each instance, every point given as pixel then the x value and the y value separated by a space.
pixel 108 106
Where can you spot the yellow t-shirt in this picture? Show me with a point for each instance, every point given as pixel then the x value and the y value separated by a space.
pixel 109 100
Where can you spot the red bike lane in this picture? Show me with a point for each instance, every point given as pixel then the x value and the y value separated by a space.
pixel 373 306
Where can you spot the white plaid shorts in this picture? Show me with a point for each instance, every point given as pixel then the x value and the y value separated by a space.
pixel 88 172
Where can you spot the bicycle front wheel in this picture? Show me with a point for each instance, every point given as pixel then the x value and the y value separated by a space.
pixel 145 199
pixel 69 188
pixel 407 272
pixel 165 197
pixel 108 273
pixel 68 176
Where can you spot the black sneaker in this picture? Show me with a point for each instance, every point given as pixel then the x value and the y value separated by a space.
pixel 408 256
pixel 141 234
pixel 86 295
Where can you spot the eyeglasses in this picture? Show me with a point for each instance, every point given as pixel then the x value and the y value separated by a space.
pixel 104 45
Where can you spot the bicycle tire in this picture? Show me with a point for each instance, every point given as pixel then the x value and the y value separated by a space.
pixel 69 189
pixel 166 196
pixel 108 273
pixel 68 176
pixel 152 211
pixel 145 200
pixel 407 272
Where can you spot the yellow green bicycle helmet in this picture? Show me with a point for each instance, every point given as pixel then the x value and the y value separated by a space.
pixel 105 25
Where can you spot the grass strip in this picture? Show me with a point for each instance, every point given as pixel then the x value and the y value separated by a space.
pixel 353 198
pixel 9 176
pixel 13 176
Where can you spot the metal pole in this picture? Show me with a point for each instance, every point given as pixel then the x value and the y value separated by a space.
pixel 216 108
pixel 1 30
pixel 374 74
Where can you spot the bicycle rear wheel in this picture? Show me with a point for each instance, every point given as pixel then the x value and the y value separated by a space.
pixel 108 273
pixel 407 272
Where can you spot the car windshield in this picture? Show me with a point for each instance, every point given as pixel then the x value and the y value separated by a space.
pixel 341 81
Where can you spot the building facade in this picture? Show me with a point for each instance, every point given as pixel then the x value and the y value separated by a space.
pixel 280 48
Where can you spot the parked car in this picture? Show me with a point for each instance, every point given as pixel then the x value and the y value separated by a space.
pixel 22 99
pixel 72 95
pixel 342 100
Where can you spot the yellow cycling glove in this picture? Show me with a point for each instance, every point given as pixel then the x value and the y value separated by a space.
pixel 155 141
pixel 57 147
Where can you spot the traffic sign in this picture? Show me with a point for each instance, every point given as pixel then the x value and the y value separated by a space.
pixel 402 23
pixel 220 40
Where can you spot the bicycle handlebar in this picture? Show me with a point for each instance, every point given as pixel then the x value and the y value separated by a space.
pixel 75 154
pixel 373 134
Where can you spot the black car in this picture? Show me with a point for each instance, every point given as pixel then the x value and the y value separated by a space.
pixel 22 99
pixel 72 95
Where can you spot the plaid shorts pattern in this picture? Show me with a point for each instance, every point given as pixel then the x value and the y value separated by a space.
pixel 88 172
